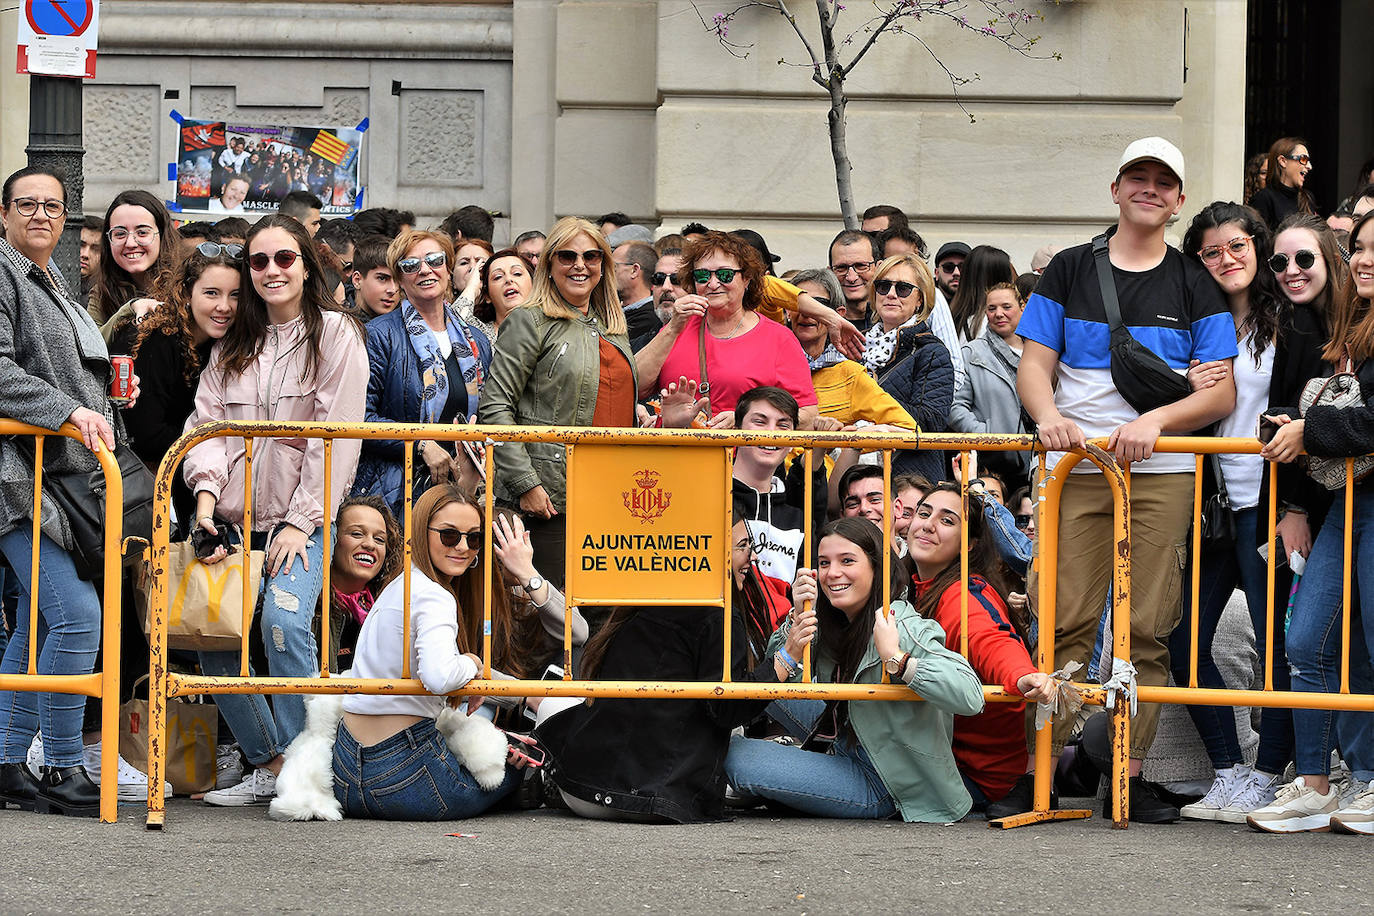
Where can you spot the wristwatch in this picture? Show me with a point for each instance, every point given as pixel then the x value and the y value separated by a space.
pixel 895 665
pixel 534 585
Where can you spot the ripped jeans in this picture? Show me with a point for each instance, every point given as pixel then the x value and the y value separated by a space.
pixel 289 601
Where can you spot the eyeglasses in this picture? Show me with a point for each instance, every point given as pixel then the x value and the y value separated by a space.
pixel 140 233
pixel 1022 521
pixel 567 257
pixel 883 287
pixel 435 260
pixel 859 267
pixel 725 275
pixel 28 206
pixel 347 267
pixel 950 267
pixel 1304 159
pixel 450 537
pixel 215 249
pixel 1236 246
pixel 823 300
pixel 283 259
pixel 1279 262
pixel 661 277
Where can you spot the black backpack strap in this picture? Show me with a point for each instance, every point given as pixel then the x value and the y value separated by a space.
pixel 1105 281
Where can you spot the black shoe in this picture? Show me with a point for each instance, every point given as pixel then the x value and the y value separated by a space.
pixel 1019 800
pixel 18 786
pixel 69 791
pixel 1148 806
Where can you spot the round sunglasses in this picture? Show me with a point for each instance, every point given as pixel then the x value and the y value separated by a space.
pixel 450 537
pixel 435 260
pixel 215 249
pixel 883 287
pixel 1305 259
pixel 283 259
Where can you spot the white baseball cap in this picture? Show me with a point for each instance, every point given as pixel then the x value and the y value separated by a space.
pixel 1152 148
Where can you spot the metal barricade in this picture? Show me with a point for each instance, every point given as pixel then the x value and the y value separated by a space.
pixel 105 682
pixel 166 684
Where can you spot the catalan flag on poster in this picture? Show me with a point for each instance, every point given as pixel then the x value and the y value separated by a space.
pixel 329 147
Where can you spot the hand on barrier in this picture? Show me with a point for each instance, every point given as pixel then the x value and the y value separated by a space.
pixel 439 462
pixel 1205 375
pixel 93 428
pixel 1062 699
pixel 824 424
pixel 885 635
pixel 1058 434
pixel 801 633
pixel 1034 686
pixel 1134 441
pixel 1287 442
pixel 288 544
pixel 535 501
pixel 723 420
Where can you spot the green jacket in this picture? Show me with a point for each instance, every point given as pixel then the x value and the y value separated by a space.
pixel 910 743
pixel 544 372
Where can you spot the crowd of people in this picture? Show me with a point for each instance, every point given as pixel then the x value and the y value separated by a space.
pixel 598 323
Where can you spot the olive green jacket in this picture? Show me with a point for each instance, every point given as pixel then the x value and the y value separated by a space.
pixel 911 743
pixel 544 372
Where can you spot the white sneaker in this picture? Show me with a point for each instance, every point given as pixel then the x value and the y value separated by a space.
pixel 1357 816
pixel 1256 791
pixel 35 758
pixel 228 766
pixel 133 782
pixel 257 788
pixel 1298 808
pixel 1349 789
pixel 1217 797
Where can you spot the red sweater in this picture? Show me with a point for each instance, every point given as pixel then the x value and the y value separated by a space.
pixel 990 747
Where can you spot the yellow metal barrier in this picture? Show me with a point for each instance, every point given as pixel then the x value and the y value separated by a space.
pixel 104 683
pixel 165 684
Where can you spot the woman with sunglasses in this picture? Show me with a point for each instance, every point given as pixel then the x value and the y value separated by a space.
pixel 171 348
pixel 290 356
pixel 718 339
pixel 390 761
pixel 427 365
pixel 1315 631
pixel 909 361
pixel 1284 193
pixel 1281 342
pixel 563 359
pixel 138 249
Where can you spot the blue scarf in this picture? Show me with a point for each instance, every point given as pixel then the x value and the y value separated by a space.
pixel 434 379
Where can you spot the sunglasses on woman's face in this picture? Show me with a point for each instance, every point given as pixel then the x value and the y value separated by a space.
pixel 1022 521
pixel 1305 259
pixel 567 257
pixel 283 259
pixel 884 287
pixel 215 249
pixel 435 260
pixel 724 274
pixel 450 537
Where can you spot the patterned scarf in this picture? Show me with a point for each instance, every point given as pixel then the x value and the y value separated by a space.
pixel 828 357
pixel 434 379
pixel 879 345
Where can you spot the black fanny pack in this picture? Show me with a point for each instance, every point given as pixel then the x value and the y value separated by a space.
pixel 1144 380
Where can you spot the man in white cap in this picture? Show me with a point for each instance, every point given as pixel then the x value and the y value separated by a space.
pixel 1172 307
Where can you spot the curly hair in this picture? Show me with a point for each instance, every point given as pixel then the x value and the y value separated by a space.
pixel 391 563
pixel 173 318
pixel 731 246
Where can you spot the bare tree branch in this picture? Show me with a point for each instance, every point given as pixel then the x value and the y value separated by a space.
pixel 806 43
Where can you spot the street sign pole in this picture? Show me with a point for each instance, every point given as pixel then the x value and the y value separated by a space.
pixel 55 143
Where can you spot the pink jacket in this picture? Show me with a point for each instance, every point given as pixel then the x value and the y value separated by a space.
pixel 288 474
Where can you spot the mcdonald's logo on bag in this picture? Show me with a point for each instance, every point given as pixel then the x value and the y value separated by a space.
pixel 213 588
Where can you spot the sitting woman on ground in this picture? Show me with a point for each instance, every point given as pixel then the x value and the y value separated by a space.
pixel 367 556
pixel 390 762
pixel 716 337
pixel 1311 802
pixel 986 401
pixel 660 760
pixel 426 364
pixel 907 360
pixel 506 282
pixel 139 246
pixel 563 360
pixel 171 347
pixel 870 759
pixel 1281 338
pixel 291 355
pixel 990 747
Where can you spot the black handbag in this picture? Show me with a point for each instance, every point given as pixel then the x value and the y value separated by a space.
pixel 1218 520
pixel 81 497
pixel 1144 380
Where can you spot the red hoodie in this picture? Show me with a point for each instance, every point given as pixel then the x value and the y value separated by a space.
pixel 990 747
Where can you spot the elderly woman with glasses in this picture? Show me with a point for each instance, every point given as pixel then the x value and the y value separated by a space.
pixel 427 365
pixel 717 339
pixel 563 359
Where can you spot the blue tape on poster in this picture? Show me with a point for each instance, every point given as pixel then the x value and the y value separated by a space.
pixel 358 201
pixel 363 125
pixel 173 206
pixel 171 171
pixel 175 116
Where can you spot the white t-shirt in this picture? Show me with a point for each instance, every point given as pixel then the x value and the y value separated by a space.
pixel 445 345
pixel 1242 472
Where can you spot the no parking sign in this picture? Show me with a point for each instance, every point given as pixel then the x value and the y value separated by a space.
pixel 58 37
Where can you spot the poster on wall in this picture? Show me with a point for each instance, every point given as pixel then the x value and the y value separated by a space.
pixel 231 169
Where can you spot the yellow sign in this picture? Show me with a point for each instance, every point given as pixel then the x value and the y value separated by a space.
pixel 647 524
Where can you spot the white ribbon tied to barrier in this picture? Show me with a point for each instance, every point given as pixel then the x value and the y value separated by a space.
pixel 1123 679
pixel 1064 700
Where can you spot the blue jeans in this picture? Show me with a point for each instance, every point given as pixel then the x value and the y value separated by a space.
pixel 289 601
pixel 1222 572
pixel 1314 639
pixel 69 615
pixel 411 776
pixel 843 783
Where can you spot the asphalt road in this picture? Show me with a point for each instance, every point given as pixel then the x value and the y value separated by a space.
pixel 236 860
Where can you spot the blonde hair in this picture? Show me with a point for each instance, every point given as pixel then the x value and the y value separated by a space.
pixel 605 301
pixel 925 283
pixel 408 239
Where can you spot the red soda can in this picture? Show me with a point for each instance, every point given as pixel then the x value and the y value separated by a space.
pixel 121 379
